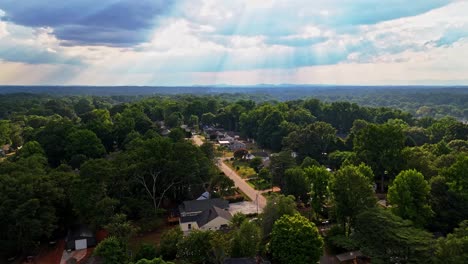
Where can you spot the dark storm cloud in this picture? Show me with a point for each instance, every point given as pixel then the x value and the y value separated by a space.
pixel 92 22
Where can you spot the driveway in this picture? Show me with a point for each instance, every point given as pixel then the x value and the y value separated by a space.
pixel 245 207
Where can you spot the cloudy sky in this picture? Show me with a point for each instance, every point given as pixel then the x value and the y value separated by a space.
pixel 193 42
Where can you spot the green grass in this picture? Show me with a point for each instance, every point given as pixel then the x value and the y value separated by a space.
pixel 260 184
pixel 242 168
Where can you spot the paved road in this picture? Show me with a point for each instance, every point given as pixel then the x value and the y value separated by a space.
pixel 253 194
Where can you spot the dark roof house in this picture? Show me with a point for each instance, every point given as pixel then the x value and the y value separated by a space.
pixel 197 206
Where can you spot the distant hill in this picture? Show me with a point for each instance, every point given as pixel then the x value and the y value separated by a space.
pixel 280 92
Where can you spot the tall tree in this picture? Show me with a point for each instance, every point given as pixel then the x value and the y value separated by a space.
pixel 169 241
pixel 295 183
pixel 277 206
pixel 111 251
pixel 313 140
pixel 195 248
pixel 409 195
pixel 380 146
pixel 352 193
pixel 453 248
pixel 295 240
pixel 245 240
pixel 84 142
pixel 318 179
pixel 387 238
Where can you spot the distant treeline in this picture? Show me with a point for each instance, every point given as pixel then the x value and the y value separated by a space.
pixel 420 101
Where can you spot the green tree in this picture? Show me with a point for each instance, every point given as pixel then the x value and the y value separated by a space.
pixel 453 248
pixel 121 228
pixel 209 150
pixel 387 238
pixel 280 162
pixel 380 146
pixel 245 240
pixel 84 142
pixel 237 220
pixel 457 175
pixel 408 195
pixel 318 178
pixel 31 148
pixel 193 121
pixel 295 183
pixel 146 251
pixel 268 130
pixel 295 240
pixel 100 122
pixel 208 118
pixel 83 105
pixel 195 248
pixel 29 202
pixel 352 193
pixel 89 192
pixel 111 251
pixel 169 241
pixel 220 247
pixel 256 163
pixel 313 140
pixel 309 162
pixel 174 120
pixel 277 206
pixel 53 138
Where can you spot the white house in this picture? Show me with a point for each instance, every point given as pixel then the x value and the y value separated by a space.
pixel 208 214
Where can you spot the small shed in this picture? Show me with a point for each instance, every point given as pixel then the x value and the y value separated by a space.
pixel 80 237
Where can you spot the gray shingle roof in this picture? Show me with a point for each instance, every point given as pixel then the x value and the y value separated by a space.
pixel 210 214
pixel 202 205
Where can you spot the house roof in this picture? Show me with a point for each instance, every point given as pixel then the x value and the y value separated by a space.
pixel 204 196
pixel 212 213
pixel 202 205
pixel 207 216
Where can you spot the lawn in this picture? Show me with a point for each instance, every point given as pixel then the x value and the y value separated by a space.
pixel 260 184
pixel 242 168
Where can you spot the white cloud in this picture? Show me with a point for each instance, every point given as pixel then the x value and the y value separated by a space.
pixel 3 29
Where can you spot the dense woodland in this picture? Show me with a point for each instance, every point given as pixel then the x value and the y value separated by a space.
pixel 102 161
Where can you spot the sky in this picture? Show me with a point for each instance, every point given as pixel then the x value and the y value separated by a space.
pixel 234 42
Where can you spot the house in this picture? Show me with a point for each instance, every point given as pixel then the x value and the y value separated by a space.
pixel 80 237
pixel 237 145
pixel 207 214
pixel 195 207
